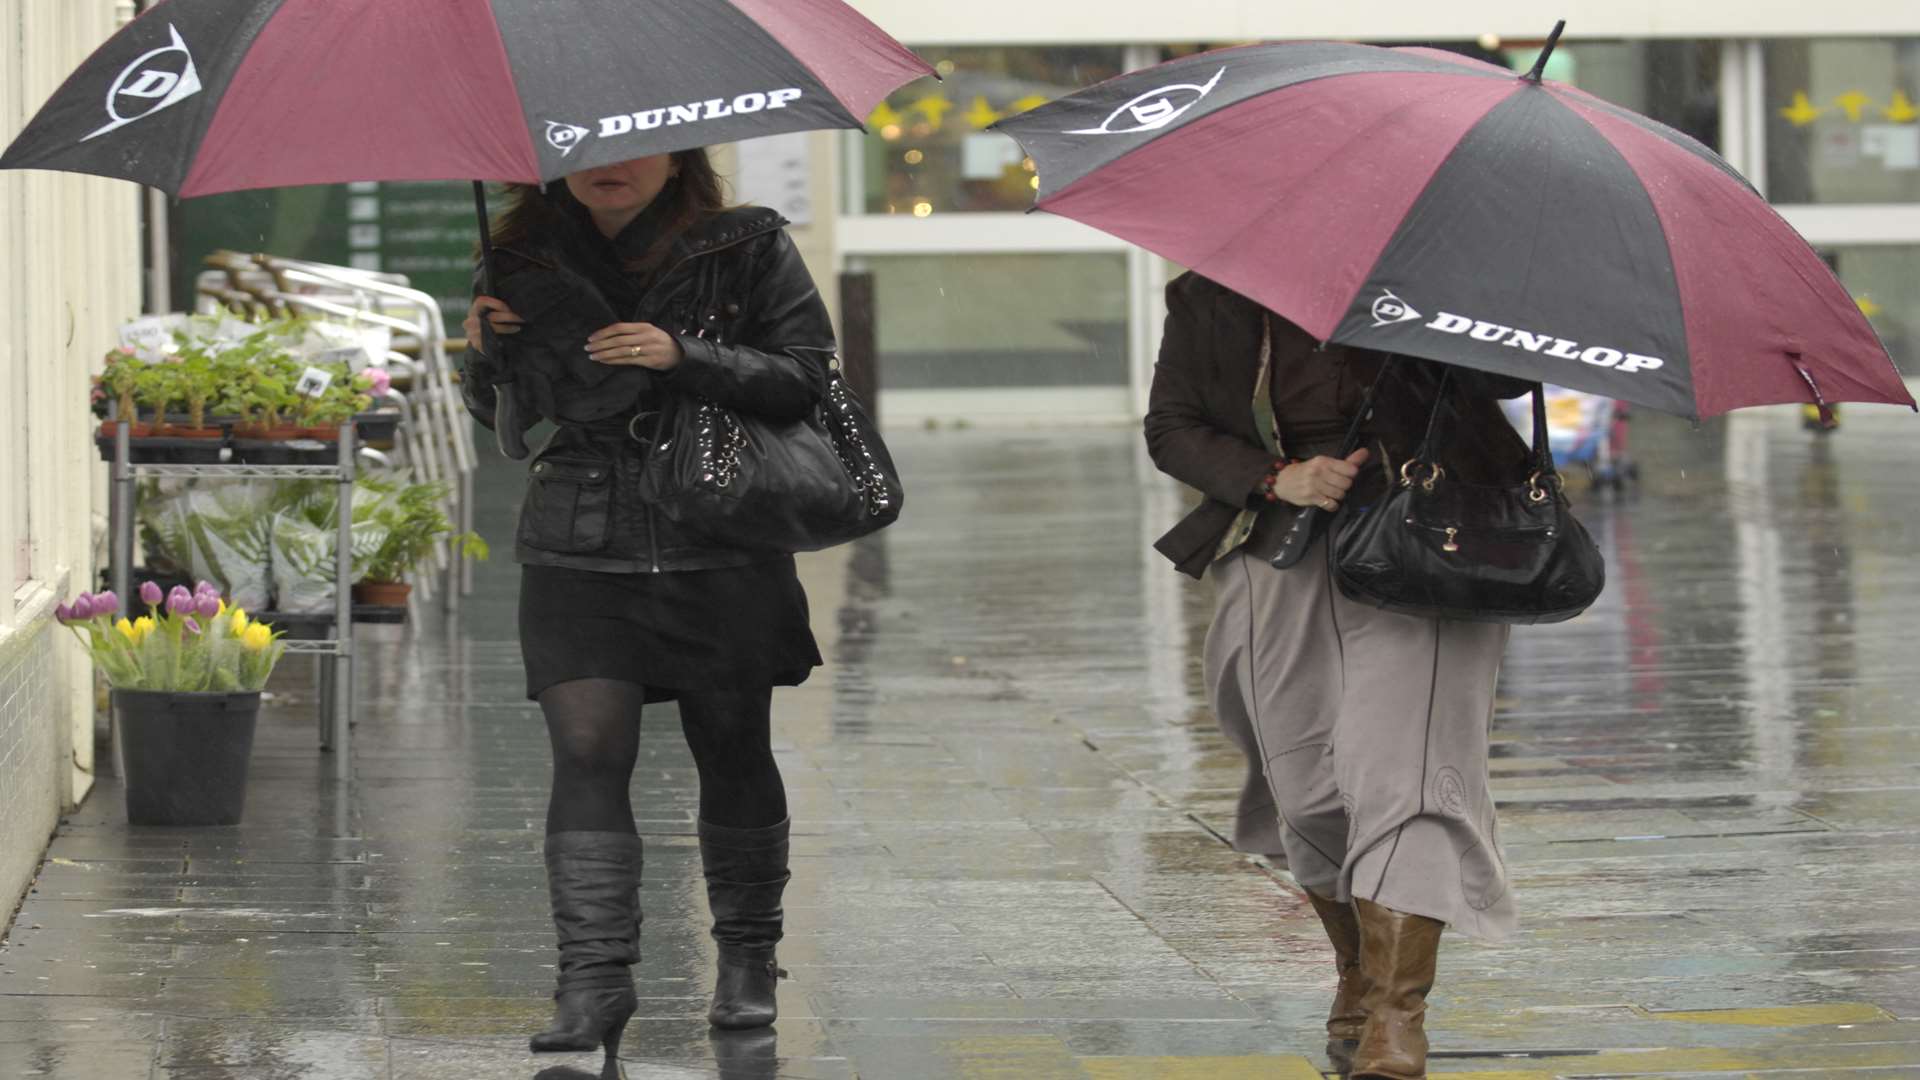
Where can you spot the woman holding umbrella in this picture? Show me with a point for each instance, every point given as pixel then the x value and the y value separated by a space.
pixel 1344 202
pixel 1350 717
pixel 624 285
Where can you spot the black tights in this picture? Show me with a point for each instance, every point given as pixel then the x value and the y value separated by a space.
pixel 594 725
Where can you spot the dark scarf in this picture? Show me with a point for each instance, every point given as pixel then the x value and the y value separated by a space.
pixel 613 264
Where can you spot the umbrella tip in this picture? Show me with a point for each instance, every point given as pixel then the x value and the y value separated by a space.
pixel 1540 65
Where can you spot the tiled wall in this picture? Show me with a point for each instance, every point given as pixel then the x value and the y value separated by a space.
pixel 31 787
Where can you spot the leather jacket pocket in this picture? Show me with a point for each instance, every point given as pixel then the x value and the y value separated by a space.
pixel 569 506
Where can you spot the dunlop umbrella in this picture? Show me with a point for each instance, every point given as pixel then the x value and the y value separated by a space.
pixel 1418 202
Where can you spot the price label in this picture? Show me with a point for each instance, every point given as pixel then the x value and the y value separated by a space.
pixel 313 382
pixel 152 337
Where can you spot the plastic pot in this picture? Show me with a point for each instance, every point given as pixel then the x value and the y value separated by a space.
pixel 184 756
pixel 382 593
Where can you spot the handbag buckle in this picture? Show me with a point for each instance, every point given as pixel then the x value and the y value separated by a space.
pixel 1434 476
pixel 633 427
pixel 1539 494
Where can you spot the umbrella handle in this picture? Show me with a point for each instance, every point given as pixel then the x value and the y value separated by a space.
pixel 509 433
pixel 1311 521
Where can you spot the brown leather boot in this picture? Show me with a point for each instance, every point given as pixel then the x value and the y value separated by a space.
pixel 1349 1014
pixel 1398 953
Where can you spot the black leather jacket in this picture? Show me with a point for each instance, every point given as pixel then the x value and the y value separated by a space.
pixel 757 338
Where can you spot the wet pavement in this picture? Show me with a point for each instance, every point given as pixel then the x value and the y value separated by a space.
pixel 1009 799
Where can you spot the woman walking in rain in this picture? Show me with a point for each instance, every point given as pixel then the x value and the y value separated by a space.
pixel 624 285
pixel 1365 731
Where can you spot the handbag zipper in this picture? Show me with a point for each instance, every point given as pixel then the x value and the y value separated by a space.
pixel 1454 532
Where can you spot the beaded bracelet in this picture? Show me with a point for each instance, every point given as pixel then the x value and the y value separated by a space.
pixel 1273 477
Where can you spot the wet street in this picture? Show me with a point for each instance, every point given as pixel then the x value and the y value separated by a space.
pixel 1009 799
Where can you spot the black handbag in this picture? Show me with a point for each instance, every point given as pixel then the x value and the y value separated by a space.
pixel 1434 546
pixel 743 481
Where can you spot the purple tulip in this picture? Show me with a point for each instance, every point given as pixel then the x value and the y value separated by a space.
pixel 208 605
pixel 106 603
pixel 83 607
pixel 179 601
pixel 192 626
pixel 150 594
pixel 205 588
pixel 63 613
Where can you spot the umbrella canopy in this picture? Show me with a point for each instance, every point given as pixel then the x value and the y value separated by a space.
pixel 204 96
pixel 1418 202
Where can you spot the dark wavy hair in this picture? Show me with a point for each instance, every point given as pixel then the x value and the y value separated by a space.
pixel 530 214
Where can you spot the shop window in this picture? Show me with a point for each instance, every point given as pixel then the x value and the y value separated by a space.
pixel 1014 320
pixel 927 150
pixel 1843 120
pixel 1885 280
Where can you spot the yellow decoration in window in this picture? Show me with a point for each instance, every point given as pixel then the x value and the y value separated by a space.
pixel 1027 104
pixel 982 115
pixel 935 108
pixel 1902 110
pixel 1867 306
pixel 1803 111
pixel 1854 103
pixel 883 117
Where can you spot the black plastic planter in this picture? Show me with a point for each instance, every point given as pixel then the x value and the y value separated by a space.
pixel 184 756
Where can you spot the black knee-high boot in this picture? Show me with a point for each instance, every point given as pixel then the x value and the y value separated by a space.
pixel 594 881
pixel 746 875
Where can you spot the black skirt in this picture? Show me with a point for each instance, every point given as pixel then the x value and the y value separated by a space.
pixel 733 628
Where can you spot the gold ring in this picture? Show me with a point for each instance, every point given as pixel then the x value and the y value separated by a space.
pixel 636 352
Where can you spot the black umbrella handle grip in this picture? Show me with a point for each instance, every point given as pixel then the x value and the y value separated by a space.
pixel 1306 528
pixel 508 430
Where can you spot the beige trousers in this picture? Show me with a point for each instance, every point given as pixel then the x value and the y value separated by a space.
pixel 1366 740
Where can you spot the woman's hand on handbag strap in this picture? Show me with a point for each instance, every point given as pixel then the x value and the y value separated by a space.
pixel 503 319
pixel 1322 482
pixel 636 345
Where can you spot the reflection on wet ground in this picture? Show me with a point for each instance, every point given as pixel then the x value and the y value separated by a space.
pixel 1009 798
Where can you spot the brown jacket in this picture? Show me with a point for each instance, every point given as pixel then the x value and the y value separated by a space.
pixel 1200 424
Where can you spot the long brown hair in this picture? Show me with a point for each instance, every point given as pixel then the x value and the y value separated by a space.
pixel 695 192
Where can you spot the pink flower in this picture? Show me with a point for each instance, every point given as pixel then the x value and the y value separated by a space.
pixel 382 381
pixel 150 594
pixel 127 350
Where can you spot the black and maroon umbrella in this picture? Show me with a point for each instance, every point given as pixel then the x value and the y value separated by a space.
pixel 204 96
pixel 1418 202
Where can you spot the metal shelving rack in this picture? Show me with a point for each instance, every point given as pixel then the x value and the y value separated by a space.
pixel 334 652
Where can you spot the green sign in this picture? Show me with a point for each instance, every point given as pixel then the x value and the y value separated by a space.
pixel 425 231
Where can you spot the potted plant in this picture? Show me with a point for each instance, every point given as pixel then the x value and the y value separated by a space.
pixel 262 394
pixel 186 680
pixel 121 381
pixel 195 378
pixel 415 523
pixel 340 403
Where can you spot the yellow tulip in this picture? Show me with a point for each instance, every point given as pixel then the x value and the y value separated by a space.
pixel 239 622
pixel 143 626
pixel 257 637
pixel 127 631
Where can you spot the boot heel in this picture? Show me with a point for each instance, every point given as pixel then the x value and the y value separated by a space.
pixel 610 1070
